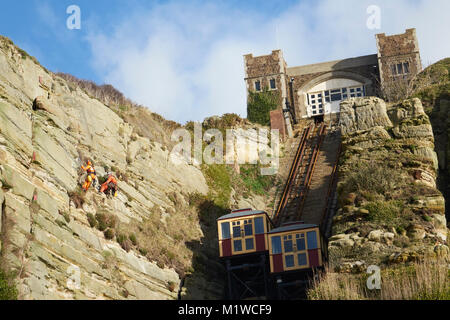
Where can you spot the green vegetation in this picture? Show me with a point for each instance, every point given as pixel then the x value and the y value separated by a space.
pixel 91 219
pixel 124 242
pixel 219 182
pixel 105 221
pixel 385 212
pixel 436 79
pixel 143 251
pixel 370 178
pixel 260 104
pixel 254 181
pixel 133 239
pixel 109 234
pixel 8 291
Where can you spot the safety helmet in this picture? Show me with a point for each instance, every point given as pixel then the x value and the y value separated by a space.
pixel 89 162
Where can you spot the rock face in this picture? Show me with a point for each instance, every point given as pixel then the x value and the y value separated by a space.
pixel 47 128
pixel 390 207
pixel 363 114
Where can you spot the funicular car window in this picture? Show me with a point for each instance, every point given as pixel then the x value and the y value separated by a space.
pixel 302 259
pixel 288 243
pixel 249 244
pixel 312 240
pixel 300 241
pixel 226 230
pixel 248 227
pixel 236 229
pixel 289 260
pixel 259 225
pixel 237 245
pixel 276 245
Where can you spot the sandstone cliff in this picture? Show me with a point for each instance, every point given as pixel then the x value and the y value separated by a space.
pixel 46 237
pixel 156 236
pixel 390 209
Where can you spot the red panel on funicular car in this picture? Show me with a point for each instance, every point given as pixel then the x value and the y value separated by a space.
pixel 226 247
pixel 277 260
pixel 260 242
pixel 313 256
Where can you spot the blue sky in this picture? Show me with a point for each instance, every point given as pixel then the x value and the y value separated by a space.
pixel 183 59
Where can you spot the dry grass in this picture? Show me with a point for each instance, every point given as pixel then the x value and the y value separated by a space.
pixel 78 197
pixel 163 237
pixel 145 123
pixel 425 280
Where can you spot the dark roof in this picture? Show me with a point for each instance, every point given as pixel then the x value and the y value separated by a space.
pixel 292 227
pixel 241 214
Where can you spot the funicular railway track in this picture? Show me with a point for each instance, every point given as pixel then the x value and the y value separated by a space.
pixel 275 256
pixel 296 189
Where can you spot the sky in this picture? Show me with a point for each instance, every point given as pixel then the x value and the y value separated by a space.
pixel 183 59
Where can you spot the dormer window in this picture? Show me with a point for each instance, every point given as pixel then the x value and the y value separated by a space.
pixel 258 85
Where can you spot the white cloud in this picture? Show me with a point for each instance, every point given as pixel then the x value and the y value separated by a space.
pixel 186 61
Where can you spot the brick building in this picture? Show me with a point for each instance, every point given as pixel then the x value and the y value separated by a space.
pixel 316 90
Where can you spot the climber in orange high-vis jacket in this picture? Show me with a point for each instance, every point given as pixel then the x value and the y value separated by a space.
pixel 91 176
pixel 110 186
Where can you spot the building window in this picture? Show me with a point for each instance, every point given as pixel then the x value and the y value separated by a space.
pixel 399 69
pixel 272 84
pixel 406 67
pixel 393 70
pixel 258 85
pixel 336 97
pixel 327 96
pixel 315 100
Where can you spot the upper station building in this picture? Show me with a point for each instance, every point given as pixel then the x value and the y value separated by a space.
pixel 316 90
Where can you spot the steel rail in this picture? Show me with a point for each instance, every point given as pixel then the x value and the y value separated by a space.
pixel 293 172
pixel 311 168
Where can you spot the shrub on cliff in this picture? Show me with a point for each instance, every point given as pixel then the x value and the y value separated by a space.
pixel 7 289
pixel 384 211
pixel 377 178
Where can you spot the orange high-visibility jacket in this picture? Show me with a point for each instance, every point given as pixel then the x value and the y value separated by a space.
pixel 111 179
pixel 89 169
